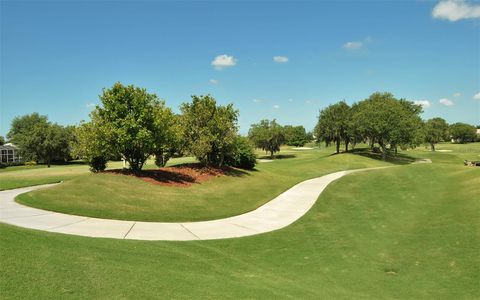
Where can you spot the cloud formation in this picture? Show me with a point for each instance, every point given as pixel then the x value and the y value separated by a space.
pixel 353 45
pixel 454 10
pixel 213 81
pixel 224 61
pixel 457 95
pixel 476 96
pixel 280 59
pixel 446 102
pixel 276 106
pixel 423 103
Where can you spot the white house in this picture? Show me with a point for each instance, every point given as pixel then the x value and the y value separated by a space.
pixel 9 153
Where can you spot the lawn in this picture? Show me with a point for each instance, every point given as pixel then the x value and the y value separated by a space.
pixel 408 232
pixel 21 176
pixel 129 198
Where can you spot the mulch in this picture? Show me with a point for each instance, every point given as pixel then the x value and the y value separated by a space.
pixel 179 176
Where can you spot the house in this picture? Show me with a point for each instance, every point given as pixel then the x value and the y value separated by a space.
pixel 9 153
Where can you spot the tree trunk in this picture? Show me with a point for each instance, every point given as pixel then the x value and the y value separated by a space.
pixel 384 151
pixel 338 146
pixel 271 154
pixel 432 145
pixel 346 146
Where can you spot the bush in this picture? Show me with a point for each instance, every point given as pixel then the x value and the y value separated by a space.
pixel 243 155
pixel 97 164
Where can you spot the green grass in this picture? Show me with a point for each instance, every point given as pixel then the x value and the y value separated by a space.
pixel 21 176
pixel 408 232
pixel 129 198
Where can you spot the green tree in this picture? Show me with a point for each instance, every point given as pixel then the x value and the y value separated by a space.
pixel 209 130
pixel 243 154
pixel 133 123
pixel 385 120
pixel 436 131
pixel 91 144
pixel 2 140
pixel 267 135
pixel 295 135
pixel 462 133
pixel 21 134
pixel 334 124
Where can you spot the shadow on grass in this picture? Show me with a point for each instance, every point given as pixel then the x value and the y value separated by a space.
pixel 278 156
pixel 180 175
pixel 399 159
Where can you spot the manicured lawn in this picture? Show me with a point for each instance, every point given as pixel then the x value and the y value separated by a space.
pixel 408 232
pixel 129 198
pixel 20 176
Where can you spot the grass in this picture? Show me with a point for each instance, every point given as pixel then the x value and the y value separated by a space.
pixel 129 198
pixel 21 176
pixel 408 232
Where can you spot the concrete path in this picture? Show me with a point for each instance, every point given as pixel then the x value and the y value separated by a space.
pixel 276 214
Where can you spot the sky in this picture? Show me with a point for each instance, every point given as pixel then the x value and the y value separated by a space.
pixel 285 60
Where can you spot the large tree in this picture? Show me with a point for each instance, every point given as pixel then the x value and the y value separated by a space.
pixel 267 135
pixel 21 134
pixel 295 135
pixel 334 124
pixel 133 122
pixel 435 131
pixel 209 130
pixel 462 133
pixel 2 140
pixel 388 121
pixel 40 140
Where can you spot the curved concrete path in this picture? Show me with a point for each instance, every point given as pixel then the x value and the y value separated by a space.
pixel 278 213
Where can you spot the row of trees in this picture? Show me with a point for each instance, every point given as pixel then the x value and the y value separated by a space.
pixel 269 136
pixel 387 121
pixel 135 125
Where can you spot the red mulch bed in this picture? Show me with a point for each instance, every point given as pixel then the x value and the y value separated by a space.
pixel 181 176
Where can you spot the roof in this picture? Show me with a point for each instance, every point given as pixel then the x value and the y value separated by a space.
pixel 8 146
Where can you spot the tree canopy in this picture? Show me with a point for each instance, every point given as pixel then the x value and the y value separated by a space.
pixel 462 133
pixel 435 131
pixel 295 135
pixel 267 135
pixel 334 125
pixel 209 130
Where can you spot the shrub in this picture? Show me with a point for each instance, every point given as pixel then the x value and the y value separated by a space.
pixel 97 164
pixel 243 154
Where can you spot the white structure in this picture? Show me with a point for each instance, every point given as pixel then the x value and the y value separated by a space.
pixel 9 153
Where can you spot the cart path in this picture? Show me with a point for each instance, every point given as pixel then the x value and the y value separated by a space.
pixel 280 212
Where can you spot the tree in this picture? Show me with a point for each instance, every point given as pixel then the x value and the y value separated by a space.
pixel 40 140
pixel 91 144
pixel 295 135
pixel 267 135
pixel 2 140
pixel 134 123
pixel 385 120
pixel 21 134
pixel 435 130
pixel 243 154
pixel 462 133
pixel 209 129
pixel 334 124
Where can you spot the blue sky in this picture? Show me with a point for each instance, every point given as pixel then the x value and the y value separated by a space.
pixel 57 56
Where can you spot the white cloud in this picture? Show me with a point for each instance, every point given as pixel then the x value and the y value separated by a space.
pixel 276 106
pixel 353 45
pixel 423 103
pixel 224 61
pixel 456 95
pixel 90 105
pixel 446 102
pixel 213 81
pixel 280 59
pixel 476 96
pixel 257 100
pixel 454 10
pixel 308 102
